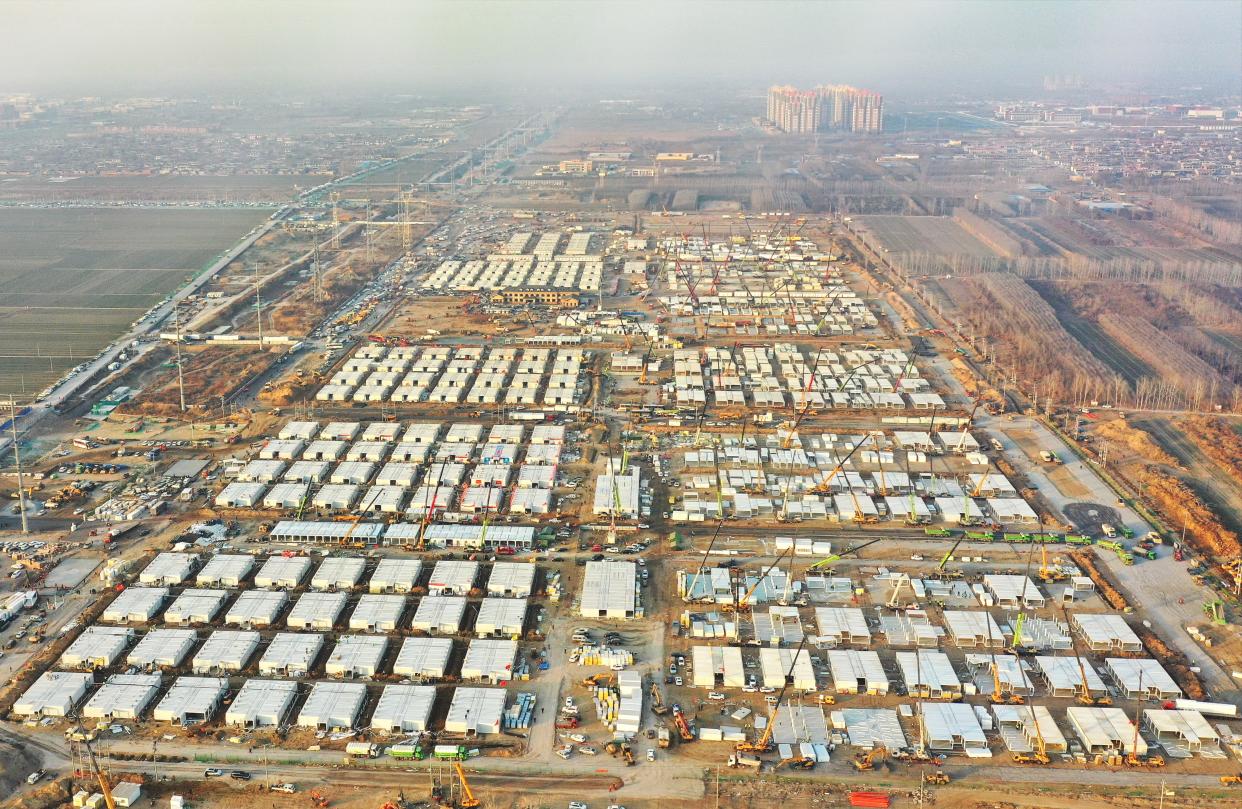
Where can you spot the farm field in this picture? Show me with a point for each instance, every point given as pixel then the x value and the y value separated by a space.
pixel 73 279
pixel 1093 337
pixel 1205 477
pixel 937 235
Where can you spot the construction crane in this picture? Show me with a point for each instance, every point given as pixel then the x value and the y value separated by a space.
pixel 1040 754
pixel 744 601
pixel 1084 696
pixel 999 695
pixel 970 495
pixel 689 594
pixel 468 801
pixel 837 557
pixel 104 787
pixel 823 485
pixel 764 743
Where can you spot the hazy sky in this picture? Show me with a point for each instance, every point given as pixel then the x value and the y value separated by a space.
pixel 117 47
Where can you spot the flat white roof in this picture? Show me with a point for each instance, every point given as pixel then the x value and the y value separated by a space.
pixel 336 572
pixel 290 654
pixel 857 671
pixel 379 612
pixel 475 710
pixel 489 659
pixel 55 693
pixel 513 579
pixel 320 610
pixel 842 624
pixel 196 606
pixel 974 628
pixel 332 705
pixel 608 589
pixel 1102 729
pixel 397 575
pixel 97 647
pixel 929 672
pixel 1105 631
pixel 191 699
pixel 404 708
pixel 162 647
pixel 952 724
pixel 453 577
pixel 1012 589
pixel 1187 725
pixel 225 569
pixel 794 724
pixel 135 605
pixel 357 655
pixel 501 616
pixel 256 607
pixel 440 613
pixel 778 663
pixel 282 571
pixel 226 650
pixel 123 696
pixel 262 702
pixel 423 657
pixel 168 568
pixel 871 727
pixel 1063 674
pixel 1142 676
pixel 473 536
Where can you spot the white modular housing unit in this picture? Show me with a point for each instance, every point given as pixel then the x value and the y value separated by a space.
pixel 135 605
pixel 285 572
pixel 500 618
pixel 225 570
pixel 490 660
pixel 356 656
pixel 225 651
pixel 423 658
pixel 511 580
pixel 857 672
pixel 403 708
pixel 377 613
pixel 122 696
pixel 98 647
pixel 168 569
pixel 451 577
pixel 291 654
pixel 332 706
pixel 395 576
pixel 191 700
pixel 256 608
pixel 338 573
pixel 162 647
pixel 316 610
pixel 262 703
pixel 439 614
pixel 55 693
pixel 609 590
pixel 196 607
pixel 475 711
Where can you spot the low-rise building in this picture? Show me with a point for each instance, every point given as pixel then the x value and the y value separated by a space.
pixel 55 693
pixel 225 651
pixel 332 706
pixel 316 610
pixel 122 696
pixel 356 656
pixel 262 703
pixel 291 654
pixel 191 700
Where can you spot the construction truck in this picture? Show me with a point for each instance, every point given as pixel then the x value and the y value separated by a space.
pixel 664 738
pixel 627 753
pixel 1154 761
pixel 938 778
pixel 745 760
pixel 683 727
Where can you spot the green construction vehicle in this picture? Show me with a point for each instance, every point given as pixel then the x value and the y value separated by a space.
pixel 938 532
pixel 981 536
pixel 1078 539
pixel 1019 538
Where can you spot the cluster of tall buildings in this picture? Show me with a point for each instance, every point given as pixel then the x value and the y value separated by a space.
pixel 827 107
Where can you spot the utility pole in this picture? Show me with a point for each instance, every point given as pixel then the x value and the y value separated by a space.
pixel 17 461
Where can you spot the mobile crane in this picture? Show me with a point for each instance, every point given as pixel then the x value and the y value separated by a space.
pixel 105 788
pixel 764 743
pixel 468 801
pixel 837 557
pixel 744 601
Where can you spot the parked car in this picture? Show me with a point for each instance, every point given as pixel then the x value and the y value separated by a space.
pixel 240 775
pixel 212 772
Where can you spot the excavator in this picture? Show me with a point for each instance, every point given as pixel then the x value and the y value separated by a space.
pixel 657 700
pixel 597 680
pixel 796 763
pixel 1231 780
pixel 864 762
